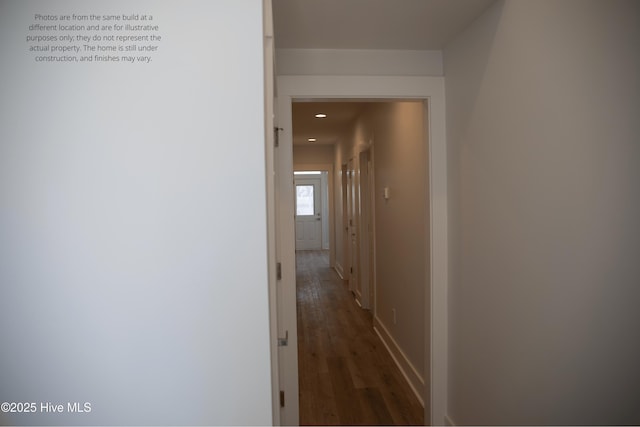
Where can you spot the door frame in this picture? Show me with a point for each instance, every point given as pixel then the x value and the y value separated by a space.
pixel 343 269
pixel 328 168
pixel 273 221
pixel 431 90
pixel 352 238
pixel 366 246
pixel 316 183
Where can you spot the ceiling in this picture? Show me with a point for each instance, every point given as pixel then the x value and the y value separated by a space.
pixel 362 24
pixel 371 24
pixel 325 130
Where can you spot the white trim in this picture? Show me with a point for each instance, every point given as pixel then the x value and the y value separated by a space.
pixel 269 107
pixel 448 421
pixel 286 255
pixel 409 372
pixel 359 62
pixel 360 87
pixel 439 256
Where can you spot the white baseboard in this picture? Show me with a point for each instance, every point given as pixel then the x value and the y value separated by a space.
pixel 415 380
pixel 338 268
pixel 448 421
pixel 358 296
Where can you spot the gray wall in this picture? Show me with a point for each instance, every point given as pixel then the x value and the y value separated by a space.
pixel 395 130
pixel 312 154
pixel 543 102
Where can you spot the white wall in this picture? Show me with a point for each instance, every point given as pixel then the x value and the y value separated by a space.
pixel 543 100
pixel 126 225
pixel 358 62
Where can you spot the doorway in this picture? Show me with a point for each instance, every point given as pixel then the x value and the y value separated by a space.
pixel 396 129
pixel 309 211
pixel 432 90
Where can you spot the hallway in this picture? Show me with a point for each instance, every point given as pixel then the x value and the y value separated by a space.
pixel 346 374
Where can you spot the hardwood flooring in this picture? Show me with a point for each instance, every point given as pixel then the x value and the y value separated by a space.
pixel 346 375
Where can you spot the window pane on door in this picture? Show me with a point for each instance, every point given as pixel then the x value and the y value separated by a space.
pixel 304 200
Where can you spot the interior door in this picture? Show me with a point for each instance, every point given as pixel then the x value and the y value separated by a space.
pixel 352 212
pixel 308 205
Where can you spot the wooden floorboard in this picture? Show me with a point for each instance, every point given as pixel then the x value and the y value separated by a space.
pixel 346 375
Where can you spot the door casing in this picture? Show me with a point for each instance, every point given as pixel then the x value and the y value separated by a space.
pixel 352 224
pixel 366 225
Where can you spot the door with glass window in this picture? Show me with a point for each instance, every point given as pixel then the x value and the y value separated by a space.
pixel 308 213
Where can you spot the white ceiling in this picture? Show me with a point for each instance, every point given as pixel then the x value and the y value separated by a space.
pixel 371 24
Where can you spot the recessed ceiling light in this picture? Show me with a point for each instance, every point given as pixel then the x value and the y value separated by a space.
pixel 321 115
pixel 311 140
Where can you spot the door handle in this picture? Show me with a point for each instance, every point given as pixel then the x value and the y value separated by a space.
pixel 318 219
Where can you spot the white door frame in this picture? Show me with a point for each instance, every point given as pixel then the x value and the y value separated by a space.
pixel 366 226
pixel 344 232
pixel 381 87
pixel 272 218
pixel 329 221
pixel 317 215
pixel 352 224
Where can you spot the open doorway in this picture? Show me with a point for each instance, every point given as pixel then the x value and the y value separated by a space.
pixel 394 325
pixel 312 210
pixel 344 87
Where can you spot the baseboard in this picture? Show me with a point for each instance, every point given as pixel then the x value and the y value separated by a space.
pixel 338 268
pixel 358 296
pixel 416 382
pixel 448 421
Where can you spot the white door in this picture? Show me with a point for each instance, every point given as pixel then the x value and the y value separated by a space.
pixel 308 213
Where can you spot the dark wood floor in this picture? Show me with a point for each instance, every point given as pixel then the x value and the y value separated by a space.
pixel 346 375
